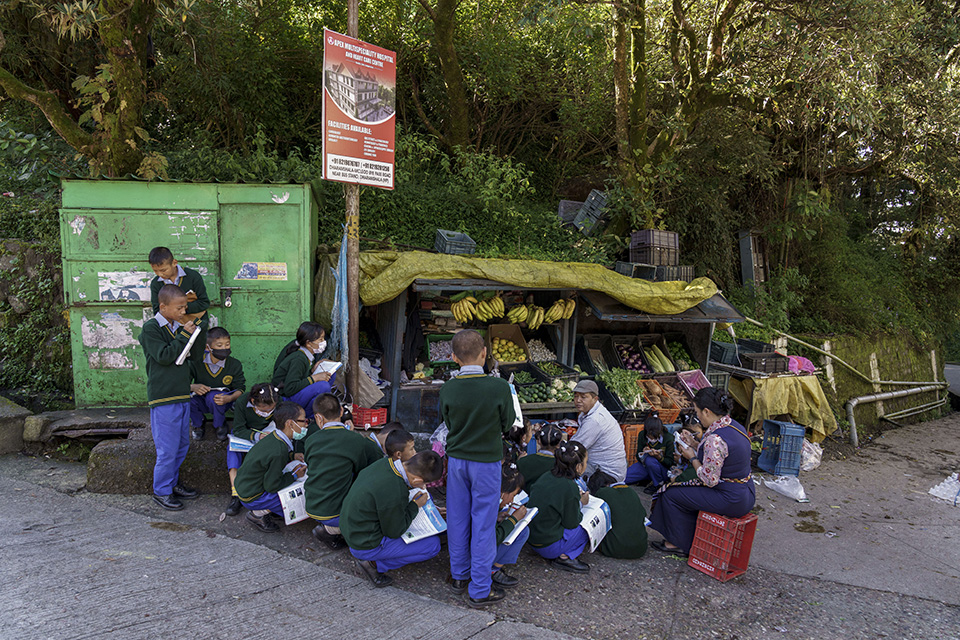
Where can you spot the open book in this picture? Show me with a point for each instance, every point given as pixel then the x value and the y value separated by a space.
pixel 428 522
pixel 328 366
pixel 596 521
pixel 239 445
pixel 521 525
pixel 294 502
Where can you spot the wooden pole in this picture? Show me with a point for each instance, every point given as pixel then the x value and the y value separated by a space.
pixel 352 196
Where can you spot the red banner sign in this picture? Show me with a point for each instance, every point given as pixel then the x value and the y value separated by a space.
pixel 359 117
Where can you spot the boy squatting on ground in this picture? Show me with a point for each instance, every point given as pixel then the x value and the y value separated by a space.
pixel 477 410
pixel 168 271
pixel 163 338
pixel 217 383
pixel 378 510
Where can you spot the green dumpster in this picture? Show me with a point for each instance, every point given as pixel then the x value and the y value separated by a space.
pixel 254 245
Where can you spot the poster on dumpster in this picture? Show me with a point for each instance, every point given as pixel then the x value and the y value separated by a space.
pixel 359 119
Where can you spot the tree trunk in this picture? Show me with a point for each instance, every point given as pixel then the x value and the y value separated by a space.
pixel 445 23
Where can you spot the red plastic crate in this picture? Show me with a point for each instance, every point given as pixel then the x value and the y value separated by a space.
pixel 630 434
pixel 721 545
pixel 369 418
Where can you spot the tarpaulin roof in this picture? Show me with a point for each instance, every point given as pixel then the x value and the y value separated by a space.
pixel 385 274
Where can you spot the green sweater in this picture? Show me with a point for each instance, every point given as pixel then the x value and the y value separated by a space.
pixel 666 446
pixel 558 500
pixel 338 455
pixel 245 419
pixel 190 281
pixel 532 467
pixel 293 374
pixel 230 375
pixel 377 506
pixel 628 536
pixel 262 469
pixel 504 527
pixel 168 383
pixel 477 410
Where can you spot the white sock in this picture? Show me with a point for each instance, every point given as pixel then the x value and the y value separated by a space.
pixel 259 513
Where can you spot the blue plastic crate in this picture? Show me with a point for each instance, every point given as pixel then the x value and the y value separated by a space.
pixel 782 445
pixel 454 242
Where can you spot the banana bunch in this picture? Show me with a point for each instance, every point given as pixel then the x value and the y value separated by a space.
pixel 464 310
pixel 487 310
pixel 535 316
pixel 518 314
pixel 561 310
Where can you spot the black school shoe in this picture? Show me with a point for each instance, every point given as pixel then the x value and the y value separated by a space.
pixel 660 545
pixel 223 433
pixel 185 493
pixel 457 586
pixel 235 506
pixel 197 432
pixel 503 579
pixel 496 595
pixel 570 564
pixel 170 503
pixel 369 569
pixel 332 540
pixel 265 522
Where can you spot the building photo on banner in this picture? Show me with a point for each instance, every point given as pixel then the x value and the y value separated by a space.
pixel 359 111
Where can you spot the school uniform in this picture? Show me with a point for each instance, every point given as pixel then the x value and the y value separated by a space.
pixel 556 530
pixel 247 425
pixel 649 468
pixel 627 537
pixel 477 410
pixel 377 511
pixel 188 280
pixel 168 396
pixel 508 553
pixel 338 455
pixel 533 466
pixel 261 476
pixel 227 374
pixel 292 375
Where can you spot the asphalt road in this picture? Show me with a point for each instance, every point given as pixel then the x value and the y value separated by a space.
pixel 872 555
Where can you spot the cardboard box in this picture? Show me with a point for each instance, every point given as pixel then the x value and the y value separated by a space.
pixel 507 332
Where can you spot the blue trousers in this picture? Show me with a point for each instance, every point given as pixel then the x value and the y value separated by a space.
pixel 572 544
pixel 170 425
pixel 473 502
pixel 305 396
pixel 508 553
pixel 394 553
pixel 269 501
pixel 234 459
pixel 200 405
pixel 331 522
pixel 674 513
pixel 649 468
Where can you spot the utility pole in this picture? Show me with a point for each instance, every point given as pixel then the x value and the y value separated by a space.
pixel 352 195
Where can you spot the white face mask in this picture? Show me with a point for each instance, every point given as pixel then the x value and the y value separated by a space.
pixel 263 414
pixel 321 347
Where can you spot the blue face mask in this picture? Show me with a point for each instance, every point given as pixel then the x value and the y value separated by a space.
pixel 300 435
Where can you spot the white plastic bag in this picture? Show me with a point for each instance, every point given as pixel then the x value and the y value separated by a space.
pixel 440 435
pixel 810 456
pixel 788 486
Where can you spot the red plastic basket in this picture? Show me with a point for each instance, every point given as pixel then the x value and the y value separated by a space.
pixel 369 418
pixel 630 434
pixel 721 545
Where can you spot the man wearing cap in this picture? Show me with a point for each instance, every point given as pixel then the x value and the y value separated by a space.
pixel 599 432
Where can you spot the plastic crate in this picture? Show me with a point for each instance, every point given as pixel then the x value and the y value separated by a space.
pixel 369 418
pixel 628 341
pixel 665 273
pixel 693 381
pixel 719 379
pixel 655 238
pixel 567 210
pixel 782 444
pixel 593 342
pixel 655 255
pixel 595 204
pixel 569 373
pixel 631 432
pixel 765 362
pixel 611 402
pixel 647 340
pixel 674 381
pixel 721 546
pixel 436 337
pixel 754 346
pixel 668 412
pixel 586 223
pixel 636 270
pixel 724 353
pixel 506 370
pixel 454 242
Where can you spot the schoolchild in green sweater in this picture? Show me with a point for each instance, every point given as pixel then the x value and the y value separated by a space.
pixel 163 338
pixel 270 466
pixel 627 537
pixel 336 455
pixel 168 271
pixel 393 441
pixel 556 533
pixel 477 410
pixel 655 454
pixel 217 383
pixel 378 509
pixel 294 372
pixel 533 466
pixel 252 416
pixel 511 483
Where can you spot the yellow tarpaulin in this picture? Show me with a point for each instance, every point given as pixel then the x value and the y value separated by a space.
pixel 385 274
pixel 799 396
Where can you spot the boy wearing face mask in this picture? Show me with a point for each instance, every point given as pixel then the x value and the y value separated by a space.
pixel 269 467
pixel 252 418
pixel 217 383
